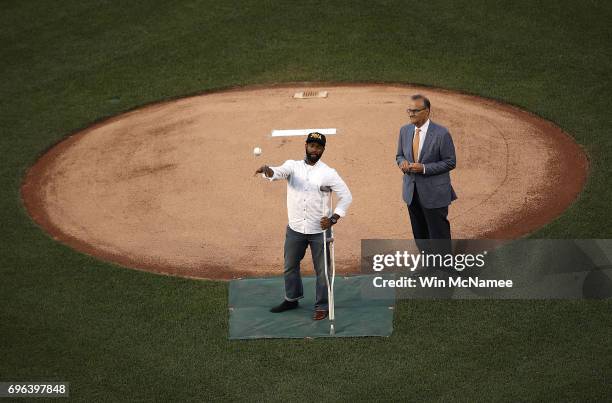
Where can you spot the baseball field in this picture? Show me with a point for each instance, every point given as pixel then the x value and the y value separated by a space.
pixel 118 334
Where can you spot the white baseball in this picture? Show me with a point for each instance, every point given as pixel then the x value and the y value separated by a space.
pixel 257 151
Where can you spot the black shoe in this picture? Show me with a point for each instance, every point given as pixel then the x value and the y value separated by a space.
pixel 285 306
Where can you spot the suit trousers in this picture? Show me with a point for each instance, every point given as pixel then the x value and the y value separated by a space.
pixel 428 223
pixel 431 224
pixel 295 249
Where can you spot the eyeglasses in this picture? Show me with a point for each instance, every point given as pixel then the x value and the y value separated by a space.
pixel 415 111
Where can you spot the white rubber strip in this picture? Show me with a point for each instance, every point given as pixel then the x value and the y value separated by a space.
pixel 301 132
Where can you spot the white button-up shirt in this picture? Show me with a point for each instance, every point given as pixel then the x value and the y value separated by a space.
pixel 422 135
pixel 306 202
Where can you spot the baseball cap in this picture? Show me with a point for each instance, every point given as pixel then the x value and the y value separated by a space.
pixel 316 137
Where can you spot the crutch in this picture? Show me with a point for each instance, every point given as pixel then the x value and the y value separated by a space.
pixel 330 284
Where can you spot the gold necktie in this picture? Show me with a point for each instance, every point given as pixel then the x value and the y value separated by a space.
pixel 415 144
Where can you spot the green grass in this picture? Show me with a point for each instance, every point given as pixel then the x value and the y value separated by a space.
pixel 119 334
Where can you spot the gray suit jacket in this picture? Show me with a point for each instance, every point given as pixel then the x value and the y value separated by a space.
pixel 438 156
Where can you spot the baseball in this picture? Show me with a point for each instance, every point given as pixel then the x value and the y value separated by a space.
pixel 257 151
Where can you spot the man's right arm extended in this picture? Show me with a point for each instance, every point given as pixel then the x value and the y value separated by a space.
pixel 276 173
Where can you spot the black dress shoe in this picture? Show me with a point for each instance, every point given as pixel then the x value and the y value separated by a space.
pixel 285 306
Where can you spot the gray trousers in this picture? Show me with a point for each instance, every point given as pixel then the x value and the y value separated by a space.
pixel 295 249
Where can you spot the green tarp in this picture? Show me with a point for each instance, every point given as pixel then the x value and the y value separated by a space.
pixel 358 313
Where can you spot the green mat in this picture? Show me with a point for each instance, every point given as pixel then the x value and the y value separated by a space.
pixel 357 312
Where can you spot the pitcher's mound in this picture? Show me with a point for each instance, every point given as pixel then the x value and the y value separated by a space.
pixel 170 187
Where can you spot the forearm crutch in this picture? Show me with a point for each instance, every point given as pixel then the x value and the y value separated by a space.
pixel 330 284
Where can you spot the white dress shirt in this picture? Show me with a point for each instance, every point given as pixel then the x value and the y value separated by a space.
pixel 306 203
pixel 422 135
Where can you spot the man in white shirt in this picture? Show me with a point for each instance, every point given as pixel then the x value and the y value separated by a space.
pixel 308 200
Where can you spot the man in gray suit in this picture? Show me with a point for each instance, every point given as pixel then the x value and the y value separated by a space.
pixel 426 155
